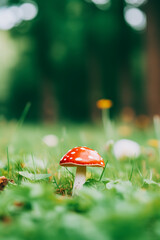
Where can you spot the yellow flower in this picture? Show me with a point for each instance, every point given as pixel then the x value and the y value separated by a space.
pixel 104 103
pixel 153 143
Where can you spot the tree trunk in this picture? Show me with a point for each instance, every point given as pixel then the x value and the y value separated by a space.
pixel 153 59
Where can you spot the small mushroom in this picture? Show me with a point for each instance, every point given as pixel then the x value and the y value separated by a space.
pixel 81 157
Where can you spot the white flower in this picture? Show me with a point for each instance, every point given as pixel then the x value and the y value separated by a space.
pixel 50 140
pixel 126 148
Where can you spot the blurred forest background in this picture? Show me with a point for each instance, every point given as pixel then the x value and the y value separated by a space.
pixel 64 55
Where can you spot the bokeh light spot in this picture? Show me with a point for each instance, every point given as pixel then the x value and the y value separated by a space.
pixel 29 11
pixel 135 18
pixel 136 3
pixel 100 1
pixel 13 15
pixel 102 4
pixel 7 18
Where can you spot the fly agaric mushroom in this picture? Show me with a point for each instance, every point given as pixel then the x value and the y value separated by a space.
pixel 81 157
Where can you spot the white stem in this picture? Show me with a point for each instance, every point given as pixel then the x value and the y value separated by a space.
pixel 80 179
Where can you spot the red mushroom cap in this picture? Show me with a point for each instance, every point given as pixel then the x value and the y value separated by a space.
pixel 82 156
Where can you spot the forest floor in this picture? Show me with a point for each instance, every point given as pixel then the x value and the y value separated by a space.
pixel 36 194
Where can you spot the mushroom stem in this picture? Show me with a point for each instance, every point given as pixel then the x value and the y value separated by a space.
pixel 80 179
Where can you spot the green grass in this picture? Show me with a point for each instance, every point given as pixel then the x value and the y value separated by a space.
pixel 123 203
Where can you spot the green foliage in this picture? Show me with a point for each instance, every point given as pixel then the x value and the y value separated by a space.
pixel 122 202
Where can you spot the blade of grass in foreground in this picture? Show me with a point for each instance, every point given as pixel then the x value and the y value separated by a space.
pixel 103 171
pixel 70 173
pixel 8 161
pixel 20 122
pixel 24 114
pixel 34 165
pixel 132 170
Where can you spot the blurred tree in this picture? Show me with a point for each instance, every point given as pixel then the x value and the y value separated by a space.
pixel 153 57
pixel 74 53
pixel 42 33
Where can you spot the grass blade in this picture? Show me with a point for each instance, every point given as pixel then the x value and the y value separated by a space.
pixel 24 114
pixel 8 167
pixel 103 171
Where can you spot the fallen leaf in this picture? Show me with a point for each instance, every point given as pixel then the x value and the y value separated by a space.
pixel 32 176
pixel 3 182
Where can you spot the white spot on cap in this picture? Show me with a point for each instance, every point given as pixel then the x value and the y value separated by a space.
pixel 77 149
pixel 101 162
pixel 72 152
pixel 71 157
pixel 79 159
pixel 64 159
pixel 82 148
pixel 90 157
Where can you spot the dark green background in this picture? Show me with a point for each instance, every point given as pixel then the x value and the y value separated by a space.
pixel 73 54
